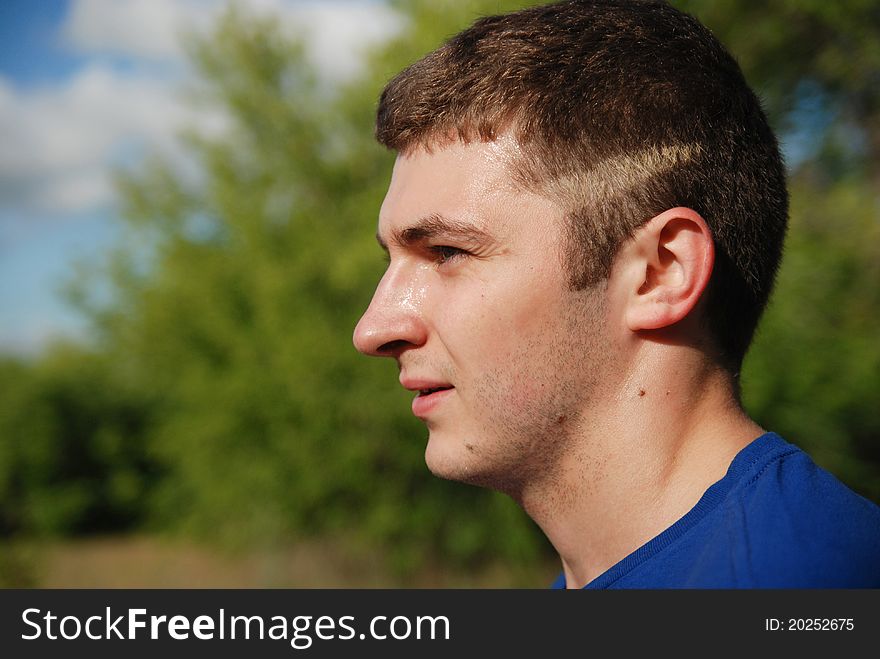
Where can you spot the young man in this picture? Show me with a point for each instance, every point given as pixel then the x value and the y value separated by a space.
pixel 584 223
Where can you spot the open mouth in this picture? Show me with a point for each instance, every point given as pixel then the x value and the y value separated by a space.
pixel 428 392
pixel 427 400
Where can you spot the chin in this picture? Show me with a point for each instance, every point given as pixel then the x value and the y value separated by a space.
pixel 456 461
pixel 450 460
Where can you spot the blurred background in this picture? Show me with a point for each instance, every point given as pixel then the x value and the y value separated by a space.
pixel 188 196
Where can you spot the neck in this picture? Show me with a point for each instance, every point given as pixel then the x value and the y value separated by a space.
pixel 656 441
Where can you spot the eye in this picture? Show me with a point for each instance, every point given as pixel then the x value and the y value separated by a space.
pixel 445 254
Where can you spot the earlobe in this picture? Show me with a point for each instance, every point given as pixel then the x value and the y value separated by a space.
pixel 670 264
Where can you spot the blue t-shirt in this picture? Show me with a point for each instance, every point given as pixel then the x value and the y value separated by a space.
pixel 775 520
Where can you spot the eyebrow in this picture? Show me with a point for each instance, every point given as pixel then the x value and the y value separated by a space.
pixel 435 226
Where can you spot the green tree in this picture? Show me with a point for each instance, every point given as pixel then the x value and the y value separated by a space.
pixel 73 456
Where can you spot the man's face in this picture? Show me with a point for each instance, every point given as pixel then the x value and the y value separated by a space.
pixel 475 307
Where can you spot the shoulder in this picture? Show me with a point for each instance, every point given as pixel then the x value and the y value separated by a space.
pixel 802 527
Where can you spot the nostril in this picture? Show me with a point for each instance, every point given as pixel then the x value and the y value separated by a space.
pixel 392 347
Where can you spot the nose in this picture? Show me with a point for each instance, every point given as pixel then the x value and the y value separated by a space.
pixel 393 322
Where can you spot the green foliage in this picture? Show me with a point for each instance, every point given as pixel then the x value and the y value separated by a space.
pixel 224 397
pixel 73 456
pixel 781 46
pixel 815 369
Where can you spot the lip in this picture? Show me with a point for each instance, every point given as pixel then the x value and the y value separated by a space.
pixel 421 384
pixel 424 404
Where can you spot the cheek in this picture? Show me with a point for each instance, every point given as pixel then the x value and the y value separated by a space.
pixel 488 327
pixel 513 350
pixel 510 298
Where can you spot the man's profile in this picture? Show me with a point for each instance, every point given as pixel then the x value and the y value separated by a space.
pixel 584 223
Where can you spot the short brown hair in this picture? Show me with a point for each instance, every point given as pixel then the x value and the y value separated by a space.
pixel 623 109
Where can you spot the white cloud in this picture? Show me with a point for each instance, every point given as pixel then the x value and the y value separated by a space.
pixel 147 29
pixel 335 31
pixel 60 142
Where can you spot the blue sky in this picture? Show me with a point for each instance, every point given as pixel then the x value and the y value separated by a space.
pixel 86 85
pixel 30 52
pixel 36 248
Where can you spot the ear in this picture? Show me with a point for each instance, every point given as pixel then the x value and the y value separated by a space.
pixel 666 267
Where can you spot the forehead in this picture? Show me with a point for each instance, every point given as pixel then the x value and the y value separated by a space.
pixel 470 182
